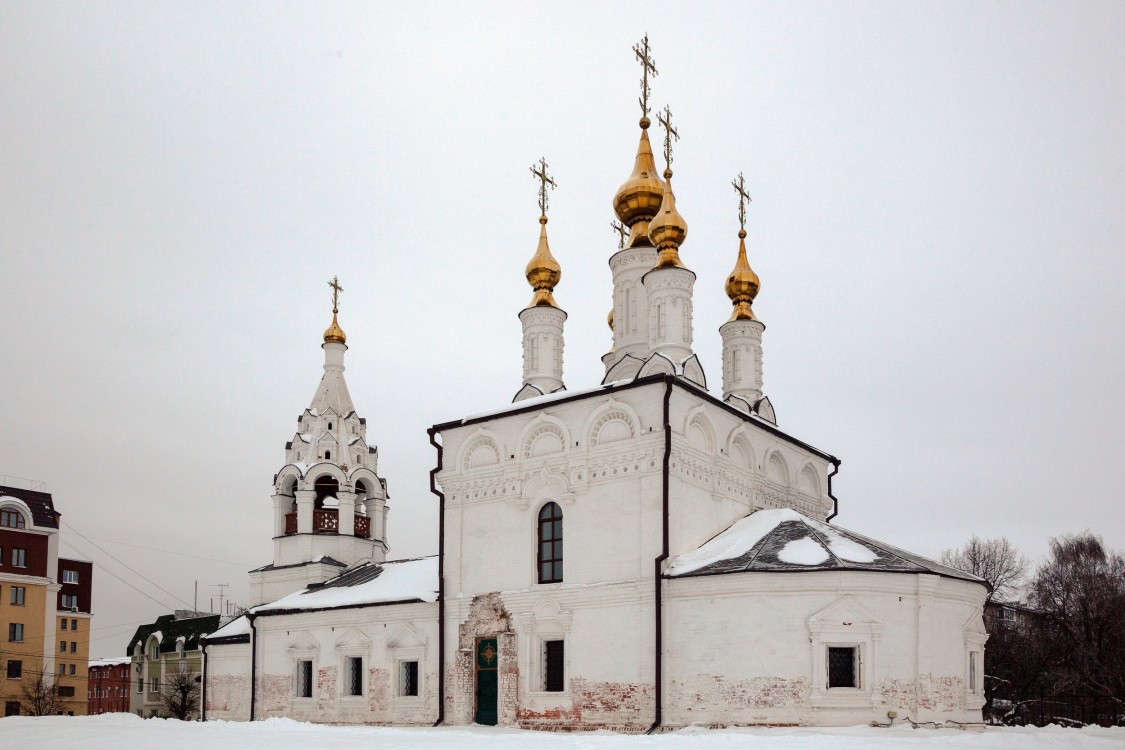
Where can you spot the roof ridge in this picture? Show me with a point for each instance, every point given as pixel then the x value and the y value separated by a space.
pixel 821 539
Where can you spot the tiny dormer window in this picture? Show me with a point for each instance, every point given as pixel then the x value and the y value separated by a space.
pixel 330 425
pixel 328 454
pixel 13 519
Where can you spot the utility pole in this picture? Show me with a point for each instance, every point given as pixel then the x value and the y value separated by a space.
pixel 222 587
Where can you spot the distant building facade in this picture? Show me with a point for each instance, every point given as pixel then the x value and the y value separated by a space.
pixel 162 649
pixel 108 686
pixel 45 604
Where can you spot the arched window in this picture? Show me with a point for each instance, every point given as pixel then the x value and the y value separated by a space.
pixel 550 544
pixel 328 454
pixel 13 519
pixel 325 486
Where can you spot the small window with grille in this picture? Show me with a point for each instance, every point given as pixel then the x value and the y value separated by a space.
pixel 408 678
pixel 353 677
pixel 973 672
pixel 304 678
pixel 843 667
pixel 553 681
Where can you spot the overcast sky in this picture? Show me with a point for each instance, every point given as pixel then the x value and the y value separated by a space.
pixel 937 222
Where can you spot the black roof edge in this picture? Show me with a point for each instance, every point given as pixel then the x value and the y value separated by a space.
pixel 367 605
pixel 647 380
pixel 225 640
pixel 825 570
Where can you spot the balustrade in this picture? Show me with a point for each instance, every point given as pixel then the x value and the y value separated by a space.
pixel 327 521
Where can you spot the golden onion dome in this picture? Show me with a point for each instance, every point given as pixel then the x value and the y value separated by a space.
pixel 638 199
pixel 742 284
pixel 668 230
pixel 543 271
pixel 335 334
pixel 609 320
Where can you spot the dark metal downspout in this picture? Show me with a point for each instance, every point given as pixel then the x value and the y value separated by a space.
pixel 441 576
pixel 658 684
pixel 835 502
pixel 253 661
pixel 203 700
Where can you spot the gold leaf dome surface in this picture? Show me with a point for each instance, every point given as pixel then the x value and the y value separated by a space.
pixel 742 284
pixel 543 271
pixel 334 333
pixel 668 230
pixel 638 198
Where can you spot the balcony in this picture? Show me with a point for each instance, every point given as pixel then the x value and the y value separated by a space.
pixel 327 521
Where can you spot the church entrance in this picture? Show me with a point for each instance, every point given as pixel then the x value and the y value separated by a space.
pixel 488 658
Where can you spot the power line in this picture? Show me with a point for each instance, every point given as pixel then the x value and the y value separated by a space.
pixel 110 572
pixel 169 552
pixel 154 583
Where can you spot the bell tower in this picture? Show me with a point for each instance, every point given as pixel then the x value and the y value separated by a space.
pixel 329 503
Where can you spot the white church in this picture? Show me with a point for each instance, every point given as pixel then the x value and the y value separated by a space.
pixel 637 555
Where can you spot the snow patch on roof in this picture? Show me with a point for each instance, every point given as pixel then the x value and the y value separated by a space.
pixel 737 540
pixel 397 581
pixel 804 551
pixel 237 626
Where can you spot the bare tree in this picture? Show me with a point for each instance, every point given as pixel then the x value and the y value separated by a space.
pixel 996 561
pixel 1080 593
pixel 180 695
pixel 39 694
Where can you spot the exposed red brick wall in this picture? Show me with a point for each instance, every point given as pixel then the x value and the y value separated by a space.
pixel 619 706
pixel 487 618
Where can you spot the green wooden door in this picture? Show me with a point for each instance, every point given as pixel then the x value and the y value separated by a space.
pixel 487 659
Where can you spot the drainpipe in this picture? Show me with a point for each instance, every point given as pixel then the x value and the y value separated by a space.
pixel 203 700
pixel 659 561
pixel 250 616
pixel 835 502
pixel 441 576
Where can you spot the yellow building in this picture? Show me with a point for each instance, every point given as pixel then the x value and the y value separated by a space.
pixel 45 614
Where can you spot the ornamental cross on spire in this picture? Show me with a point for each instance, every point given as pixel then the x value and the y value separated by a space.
pixel 648 65
pixel 622 233
pixel 670 132
pixel 336 289
pixel 544 180
pixel 743 198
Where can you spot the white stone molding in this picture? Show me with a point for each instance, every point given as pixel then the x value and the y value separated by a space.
pixel 764 409
pixel 699 431
pixel 670 311
pixel 544 487
pixel 535 439
pixel 657 364
pixel 625 367
pixel 974 635
pixel 740 449
pixel 546 621
pixel 777 468
pixel 808 480
pixel 324 469
pixel 742 359
pixel 611 422
pixel 844 623
pixel 630 302
pixel 542 350
pixel 692 369
pixel 475 453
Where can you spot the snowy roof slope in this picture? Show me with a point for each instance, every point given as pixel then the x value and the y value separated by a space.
pixel 783 540
pixel 372 583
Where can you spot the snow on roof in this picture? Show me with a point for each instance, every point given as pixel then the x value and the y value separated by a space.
pixel 372 583
pixel 237 626
pixel 783 540
pixel 109 662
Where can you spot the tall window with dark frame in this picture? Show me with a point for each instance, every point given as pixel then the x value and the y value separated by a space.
pixel 550 544
pixel 553 667
pixel 843 671
pixel 355 675
pixel 304 678
pixel 408 678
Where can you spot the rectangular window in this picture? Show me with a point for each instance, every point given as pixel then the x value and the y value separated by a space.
pixel 553 666
pixel 15 669
pixel 73 647
pixel 74 625
pixel 408 678
pixel 62 647
pixel 842 667
pixel 66 691
pixel 15 632
pixel 62 669
pixel 70 576
pixel 64 623
pixel 140 685
pixel 17 595
pixel 353 676
pixel 11 708
pixel 1007 614
pixel 153 684
pixel 973 672
pixel 304 678
pixel 69 601
pixel 19 557
pixel 71 670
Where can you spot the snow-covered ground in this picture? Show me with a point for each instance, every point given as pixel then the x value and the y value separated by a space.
pixel 128 732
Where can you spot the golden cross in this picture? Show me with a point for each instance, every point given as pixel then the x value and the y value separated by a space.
pixel 544 180
pixel 622 231
pixel 648 65
pixel 743 199
pixel 336 289
pixel 670 132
